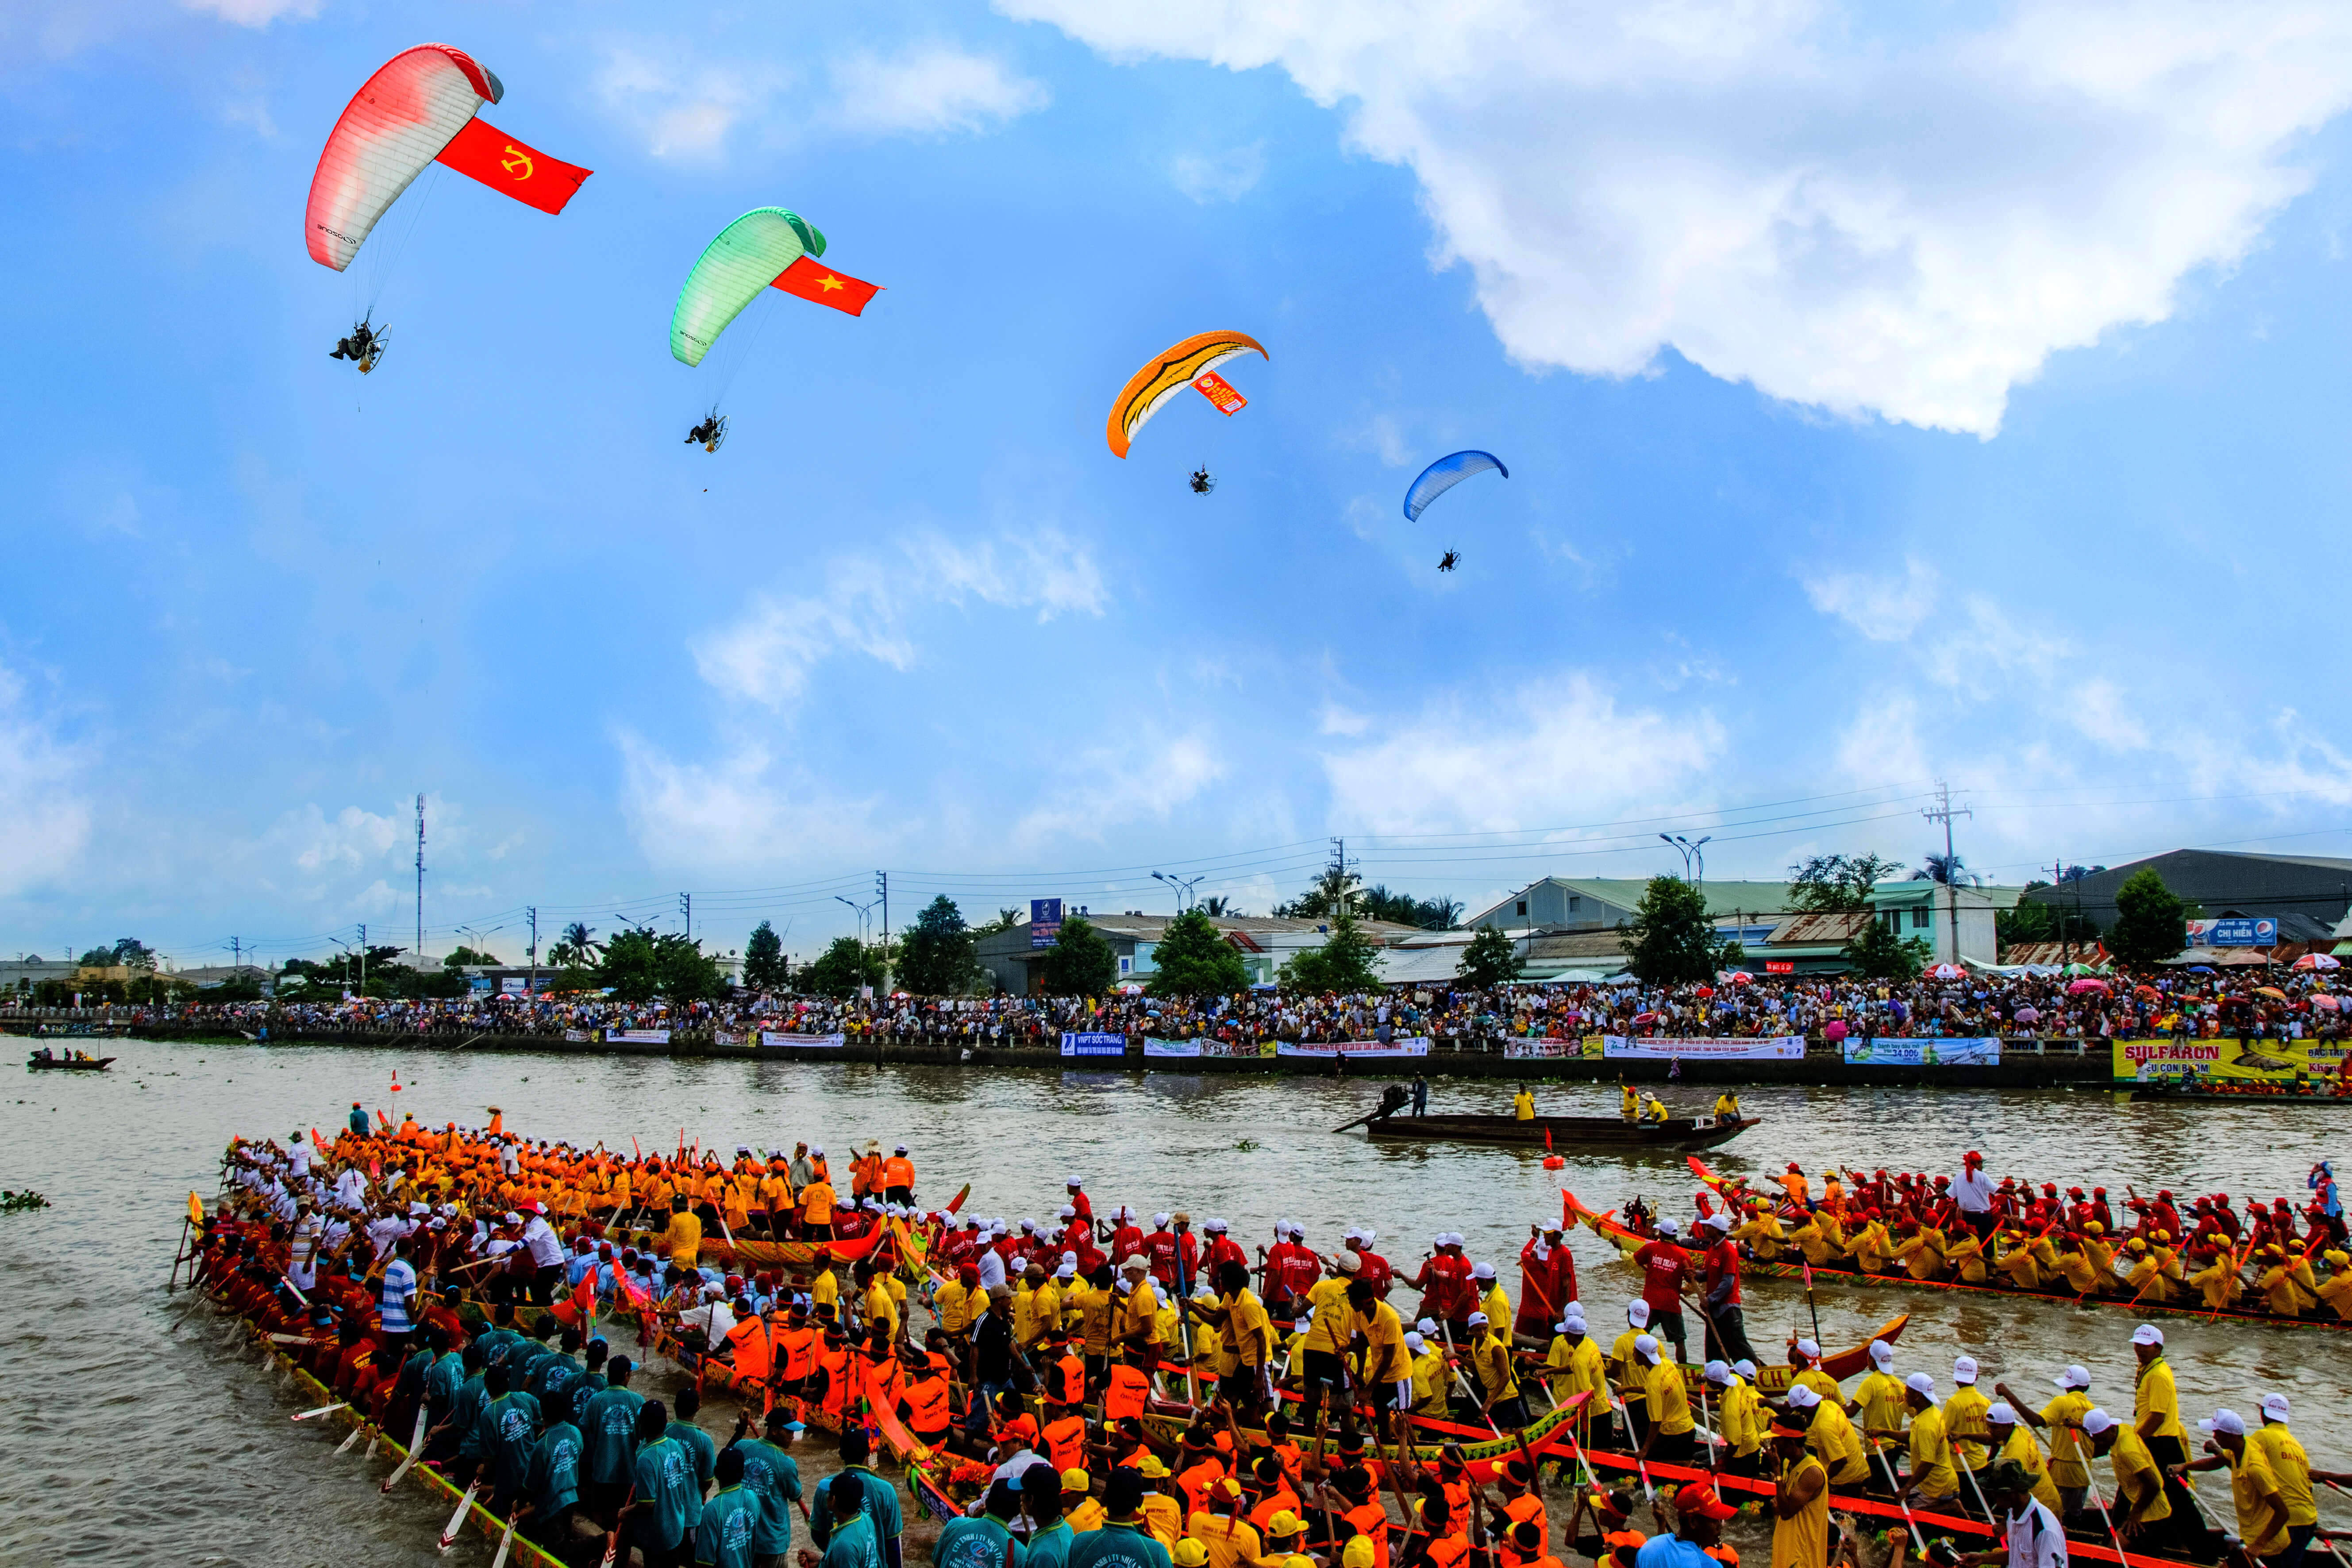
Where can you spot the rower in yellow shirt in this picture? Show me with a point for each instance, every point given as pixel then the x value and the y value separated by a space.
pixel 1740 1414
pixel 1762 1234
pixel 1577 1365
pixel 1673 1434
pixel 1878 1398
pixel 1523 1106
pixel 2288 1463
pixel 1921 1251
pixel 2013 1440
pixel 2156 1402
pixel 1933 1476
pixel 1873 1251
pixel 2260 1502
pixel 682 1242
pixel 1964 1414
pixel 1831 1435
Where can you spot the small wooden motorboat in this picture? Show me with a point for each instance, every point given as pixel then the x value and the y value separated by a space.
pixel 1565 1134
pixel 38 1062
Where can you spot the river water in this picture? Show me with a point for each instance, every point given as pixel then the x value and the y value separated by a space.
pixel 135 1426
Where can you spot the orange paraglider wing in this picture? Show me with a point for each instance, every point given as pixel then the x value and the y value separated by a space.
pixel 1167 375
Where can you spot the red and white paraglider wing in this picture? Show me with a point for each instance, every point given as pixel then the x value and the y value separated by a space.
pixel 393 126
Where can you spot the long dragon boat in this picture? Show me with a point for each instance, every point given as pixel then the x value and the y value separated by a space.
pixel 1628 1240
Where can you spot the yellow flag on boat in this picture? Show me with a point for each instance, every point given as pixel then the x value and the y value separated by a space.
pixel 195 1209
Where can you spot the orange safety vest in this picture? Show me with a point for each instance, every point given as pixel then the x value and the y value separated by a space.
pixel 1074 1383
pixel 926 1405
pixel 1128 1394
pixel 897 1172
pixel 834 1364
pixel 1371 1521
pixel 755 1349
pixel 1448 1550
pixel 800 1351
pixel 1528 1510
pixel 1066 1443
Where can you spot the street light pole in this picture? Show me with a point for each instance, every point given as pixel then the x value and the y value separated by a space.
pixel 1183 886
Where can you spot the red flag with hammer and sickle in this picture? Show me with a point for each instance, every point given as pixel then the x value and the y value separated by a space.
pixel 483 152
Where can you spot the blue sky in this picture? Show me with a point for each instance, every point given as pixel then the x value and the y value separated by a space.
pixel 1964 402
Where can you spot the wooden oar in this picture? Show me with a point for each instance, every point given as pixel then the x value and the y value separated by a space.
pixel 415 1448
pixel 322 1410
pixel 505 1540
pixel 350 1438
pixel 457 1520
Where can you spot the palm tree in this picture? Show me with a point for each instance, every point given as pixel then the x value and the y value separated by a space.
pixel 1948 870
pixel 1216 905
pixel 577 946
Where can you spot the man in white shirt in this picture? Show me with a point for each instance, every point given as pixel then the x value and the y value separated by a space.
pixel 990 1264
pixel 1972 1193
pixel 299 1157
pixel 2035 1537
pixel 546 1253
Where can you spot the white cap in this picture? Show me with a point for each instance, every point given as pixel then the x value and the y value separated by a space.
pixel 1803 1397
pixel 2224 1421
pixel 2095 1421
pixel 900 1149
pixel 1669 1226
pixel 1476 1318
pixel 1353 1233
pixel 1570 1325
pixel 1294 1228
pixel 974 1221
pixel 1065 1212
pixel 1075 1181
pixel 1412 1340
pixel 1637 1312
pixel 2275 1406
pixel 1028 1223
pixel 1214 1224
pixel 1427 1325
pixel 2075 1376
pixel 1999 1414
pixel 1715 1372
pixel 1160 1221
pixel 1068 1270
pixel 1367 1236
pixel 1720 1221
pixel 1808 1349
pixel 1744 1367
pixel 2147 1334
pixel 816 1151
pixel 1964 1368
pixel 1920 1383
pixel 1482 1271
pixel 1646 1347
pixel 1882 1354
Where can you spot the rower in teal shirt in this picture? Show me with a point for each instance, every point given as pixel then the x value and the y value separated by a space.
pixel 699 1445
pixel 772 1475
pixel 666 1488
pixel 509 1430
pixel 850 1542
pixel 986 1540
pixel 554 1475
pixel 728 1534
pixel 1050 1535
pixel 1123 1542
pixel 608 1428
pixel 881 1500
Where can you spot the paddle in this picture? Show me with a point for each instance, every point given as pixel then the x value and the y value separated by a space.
pixel 505 1540
pixel 415 1448
pixel 1879 1451
pixel 2103 1519
pixel 1969 1470
pixel 322 1410
pixel 350 1438
pixel 457 1519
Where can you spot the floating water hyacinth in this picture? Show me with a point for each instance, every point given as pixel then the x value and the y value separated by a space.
pixel 28 1199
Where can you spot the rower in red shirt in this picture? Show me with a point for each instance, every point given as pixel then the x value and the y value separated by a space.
pixel 1665 1267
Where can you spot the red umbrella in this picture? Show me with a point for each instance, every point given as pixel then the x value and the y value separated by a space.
pixel 1704 991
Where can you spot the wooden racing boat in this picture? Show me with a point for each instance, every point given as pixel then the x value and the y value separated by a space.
pixel 1627 1241
pixel 1481 1450
pixel 67 1064
pixel 1564 1133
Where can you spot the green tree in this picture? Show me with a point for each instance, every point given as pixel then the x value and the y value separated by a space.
pixel 764 965
pixel 1080 962
pixel 2151 924
pixel 935 955
pixel 1430 914
pixel 1332 889
pixel 577 947
pixel 1671 940
pixel 1344 963
pixel 1835 884
pixel 843 967
pixel 639 966
pixel 461 957
pixel 1192 958
pixel 2034 920
pixel 1491 959
pixel 1878 953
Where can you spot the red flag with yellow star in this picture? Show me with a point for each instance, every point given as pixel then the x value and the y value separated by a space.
pixel 812 279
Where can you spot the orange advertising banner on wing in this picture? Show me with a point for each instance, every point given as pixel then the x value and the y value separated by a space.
pixel 483 152
pixel 1220 391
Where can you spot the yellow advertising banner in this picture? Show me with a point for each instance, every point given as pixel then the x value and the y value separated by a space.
pixel 2228 1059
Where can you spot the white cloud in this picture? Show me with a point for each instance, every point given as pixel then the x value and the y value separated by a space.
pixel 257 13
pixel 41 798
pixel 766 657
pixel 1551 751
pixel 931 90
pixel 741 810
pixel 312 841
pixel 1219 176
pixel 1882 608
pixel 1111 787
pixel 684 108
pixel 1904 222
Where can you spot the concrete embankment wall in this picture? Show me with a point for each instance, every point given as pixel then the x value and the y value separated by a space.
pixel 2065 1064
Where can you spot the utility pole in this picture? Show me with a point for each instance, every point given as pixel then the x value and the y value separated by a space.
pixel 882 884
pixel 236 957
pixel 2065 930
pixel 363 958
pixel 685 912
pixel 534 947
pixel 420 874
pixel 1942 811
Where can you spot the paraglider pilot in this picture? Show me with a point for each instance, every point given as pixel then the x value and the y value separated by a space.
pixel 1202 483
pixel 709 434
pixel 362 348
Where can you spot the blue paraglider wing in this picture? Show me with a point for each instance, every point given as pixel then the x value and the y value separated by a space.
pixel 1443 475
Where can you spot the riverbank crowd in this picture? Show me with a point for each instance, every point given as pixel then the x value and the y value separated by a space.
pixel 1107 1386
pixel 2249 1003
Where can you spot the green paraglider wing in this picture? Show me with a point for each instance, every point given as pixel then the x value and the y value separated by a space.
pixel 747 255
